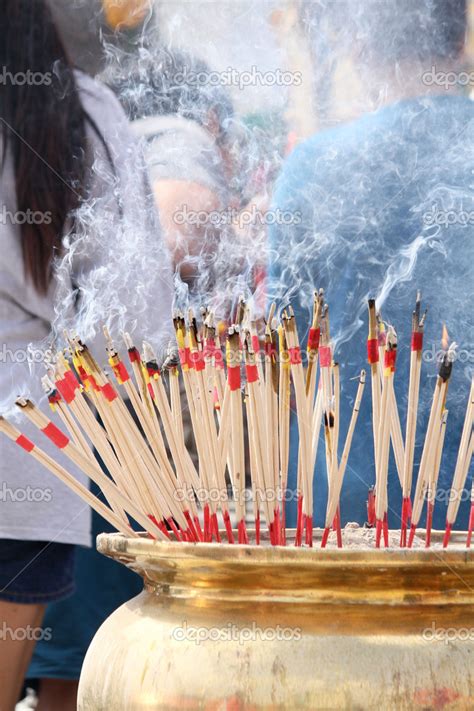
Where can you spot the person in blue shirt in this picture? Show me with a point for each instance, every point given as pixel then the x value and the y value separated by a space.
pixel 383 206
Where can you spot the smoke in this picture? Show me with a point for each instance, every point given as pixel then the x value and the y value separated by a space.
pixel 349 231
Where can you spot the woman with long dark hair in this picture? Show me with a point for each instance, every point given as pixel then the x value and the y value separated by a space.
pixel 56 127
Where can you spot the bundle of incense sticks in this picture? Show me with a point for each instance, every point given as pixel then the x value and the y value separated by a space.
pixel 237 385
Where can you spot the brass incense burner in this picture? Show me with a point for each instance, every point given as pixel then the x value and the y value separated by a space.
pixel 260 628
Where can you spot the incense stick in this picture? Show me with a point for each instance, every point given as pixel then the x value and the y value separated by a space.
pixel 461 471
pixel 431 438
pixel 412 414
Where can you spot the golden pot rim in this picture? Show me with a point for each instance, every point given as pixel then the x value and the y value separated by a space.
pixel 215 572
pixel 116 545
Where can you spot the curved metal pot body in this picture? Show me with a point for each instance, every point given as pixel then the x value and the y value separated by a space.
pixel 238 627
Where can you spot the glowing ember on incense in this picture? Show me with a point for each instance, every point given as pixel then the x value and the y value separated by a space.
pixel 153 478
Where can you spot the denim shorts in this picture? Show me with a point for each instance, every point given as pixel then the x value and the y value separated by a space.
pixel 35 572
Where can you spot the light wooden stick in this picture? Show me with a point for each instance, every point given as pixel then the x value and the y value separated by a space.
pixel 313 344
pixel 460 472
pixel 373 360
pixel 109 489
pixel 333 503
pixel 412 414
pixel 61 473
pixel 431 439
pixel 470 454
pixel 395 426
pixel 381 505
pixel 284 412
pixel 330 429
pixel 433 477
pixel 264 491
pixel 304 422
pixel 237 430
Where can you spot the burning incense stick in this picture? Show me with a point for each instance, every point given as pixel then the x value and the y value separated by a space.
pixel 433 478
pixel 333 500
pixel 470 454
pixel 313 344
pixel 395 426
pixel 373 360
pixel 461 470
pixel 237 431
pixel 265 492
pixel 271 409
pixel 432 435
pixel 383 437
pixel 302 408
pixel 283 422
pixel 153 478
pixel 331 424
pixel 412 414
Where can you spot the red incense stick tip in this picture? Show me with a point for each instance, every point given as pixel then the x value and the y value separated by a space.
pixel 251 371
pixel 403 537
pixel 325 357
pixel 325 537
pixel 277 529
pixel 313 338
pixel 471 527
pixel 309 531
pixel 55 435
pixel 108 392
pixel 215 528
pixel 283 526
pixel 207 524
pixel 174 528
pixel 406 512
pixel 257 529
pixel 429 524
pixel 385 531
pixel 412 535
pixel 233 377
pixel 299 522
pixel 371 508
pixel 25 443
pixel 191 528
pixel 160 525
pixel 198 528
pixel 299 537
pixel 228 527
pixel 372 351
pixel 378 532
pixel 242 533
pixel 271 530
pixel 417 340
pixel 447 534
pixel 336 525
pixel 295 355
